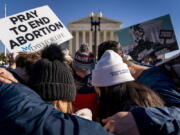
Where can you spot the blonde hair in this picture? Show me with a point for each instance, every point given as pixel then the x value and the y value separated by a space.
pixel 58 104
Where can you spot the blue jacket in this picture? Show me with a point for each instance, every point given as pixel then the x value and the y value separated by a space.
pixel 23 112
pixel 159 120
pixel 157 79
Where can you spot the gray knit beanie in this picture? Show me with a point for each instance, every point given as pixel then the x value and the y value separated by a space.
pixel 52 79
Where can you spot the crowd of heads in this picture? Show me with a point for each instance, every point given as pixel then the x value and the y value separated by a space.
pixel 50 73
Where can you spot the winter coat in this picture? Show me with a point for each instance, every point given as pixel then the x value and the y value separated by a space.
pixel 86 96
pixel 23 112
pixel 158 80
pixel 159 120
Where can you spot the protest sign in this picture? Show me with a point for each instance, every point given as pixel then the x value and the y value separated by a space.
pixel 32 30
pixel 146 41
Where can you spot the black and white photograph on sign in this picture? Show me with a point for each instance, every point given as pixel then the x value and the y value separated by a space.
pixel 148 42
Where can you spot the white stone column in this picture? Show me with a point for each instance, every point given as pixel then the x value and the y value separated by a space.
pixel 104 35
pixel 71 44
pixel 74 44
pixel 112 35
pixel 77 41
pixel 98 38
pixel 84 36
pixel 116 38
pixel 90 41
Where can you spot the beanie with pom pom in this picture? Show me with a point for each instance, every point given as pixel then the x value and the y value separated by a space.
pixel 51 78
pixel 53 52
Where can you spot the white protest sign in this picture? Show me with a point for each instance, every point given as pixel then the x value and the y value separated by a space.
pixel 32 30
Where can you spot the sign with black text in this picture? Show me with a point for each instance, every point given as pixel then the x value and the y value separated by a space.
pixel 32 30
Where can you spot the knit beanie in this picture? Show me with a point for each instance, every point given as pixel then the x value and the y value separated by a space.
pixel 83 59
pixel 51 78
pixel 110 70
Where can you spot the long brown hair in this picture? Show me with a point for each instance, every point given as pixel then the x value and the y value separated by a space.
pixel 125 96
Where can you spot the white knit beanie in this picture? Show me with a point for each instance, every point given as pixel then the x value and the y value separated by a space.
pixel 110 70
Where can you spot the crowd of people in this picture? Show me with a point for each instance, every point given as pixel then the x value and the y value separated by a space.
pixel 51 93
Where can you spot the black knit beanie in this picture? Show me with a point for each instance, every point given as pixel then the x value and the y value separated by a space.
pixel 51 78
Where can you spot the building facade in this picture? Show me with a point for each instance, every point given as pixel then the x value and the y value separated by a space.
pixel 81 31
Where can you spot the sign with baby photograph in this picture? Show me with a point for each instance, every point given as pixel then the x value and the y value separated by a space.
pixel 148 41
pixel 32 30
